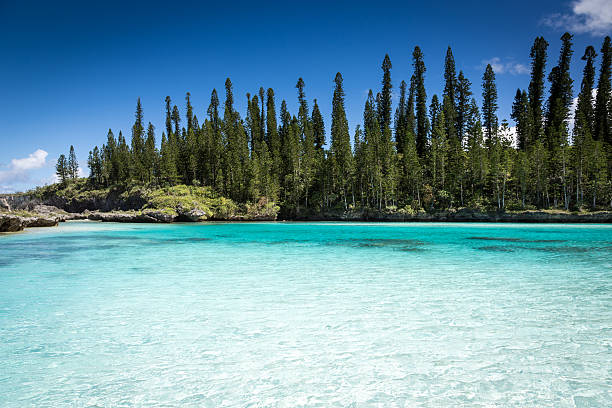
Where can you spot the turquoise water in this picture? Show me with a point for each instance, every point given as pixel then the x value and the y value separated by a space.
pixel 320 314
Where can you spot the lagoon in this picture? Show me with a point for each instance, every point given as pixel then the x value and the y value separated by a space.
pixel 306 314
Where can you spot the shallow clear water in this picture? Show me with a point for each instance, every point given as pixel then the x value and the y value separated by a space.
pixel 319 314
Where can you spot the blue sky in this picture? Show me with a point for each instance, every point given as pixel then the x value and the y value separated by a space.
pixel 72 70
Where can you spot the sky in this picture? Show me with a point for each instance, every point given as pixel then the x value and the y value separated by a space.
pixel 72 70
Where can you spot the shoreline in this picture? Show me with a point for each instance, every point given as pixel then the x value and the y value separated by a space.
pixel 181 204
pixel 15 221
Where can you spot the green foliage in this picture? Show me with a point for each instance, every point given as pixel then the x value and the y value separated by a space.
pixel 457 155
pixel 536 87
pixel 422 124
pixel 602 127
pixel 61 169
pixel 189 198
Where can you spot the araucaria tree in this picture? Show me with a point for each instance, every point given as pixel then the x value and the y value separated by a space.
pixel 341 154
pixel 445 152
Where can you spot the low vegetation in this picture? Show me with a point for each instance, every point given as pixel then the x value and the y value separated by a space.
pixel 171 200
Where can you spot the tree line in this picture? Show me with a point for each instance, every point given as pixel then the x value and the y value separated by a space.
pixel 447 151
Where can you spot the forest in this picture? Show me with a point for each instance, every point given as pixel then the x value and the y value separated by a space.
pixel 449 151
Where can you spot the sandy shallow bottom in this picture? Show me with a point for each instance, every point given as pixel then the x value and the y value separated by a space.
pixel 306 314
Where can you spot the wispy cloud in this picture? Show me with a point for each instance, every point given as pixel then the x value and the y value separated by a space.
pixel 586 16
pixel 506 66
pixel 19 169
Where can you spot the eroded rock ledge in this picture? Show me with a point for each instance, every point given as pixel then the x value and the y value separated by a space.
pixel 47 216
pixel 462 215
pixel 180 204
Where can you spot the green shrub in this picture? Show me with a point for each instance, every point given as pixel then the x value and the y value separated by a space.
pixel 186 198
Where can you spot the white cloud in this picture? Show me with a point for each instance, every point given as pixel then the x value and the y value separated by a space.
pixel 19 169
pixel 34 161
pixel 507 66
pixel 587 16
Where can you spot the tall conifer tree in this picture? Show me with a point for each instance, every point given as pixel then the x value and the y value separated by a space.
pixel 341 142
pixel 536 87
pixel 73 165
pixel 450 88
pixel 489 104
pixel 422 124
pixel 602 127
pixel 463 96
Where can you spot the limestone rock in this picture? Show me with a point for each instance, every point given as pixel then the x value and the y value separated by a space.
pixel 36 221
pixel 194 215
pixel 161 216
pixel 11 223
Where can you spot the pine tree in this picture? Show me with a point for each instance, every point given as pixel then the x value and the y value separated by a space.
pixel 560 97
pixel 556 126
pixel 384 108
pixel 168 173
pixel 341 142
pixel 455 155
pixel 477 157
pixel 318 132
pixel 136 161
pixel 385 149
pixel 262 95
pixel 410 117
pixel 189 109
pixel 236 158
pixel 450 88
pixel 401 126
pixel 97 166
pixel 256 131
pixel 318 127
pixel 273 137
pixel 73 165
pixel 176 141
pixel 61 169
pixel 168 116
pixel 150 155
pixel 602 127
pixel 489 104
pixel 215 143
pixel 307 154
pixel 359 154
pixel 373 153
pixel 110 160
pixel 439 152
pixel 123 160
pixel 521 116
pixel 536 87
pixel 291 149
pixel 422 124
pixel 411 175
pixel 463 95
pixel 598 178
pixel 584 105
pixel 94 162
pixel 260 156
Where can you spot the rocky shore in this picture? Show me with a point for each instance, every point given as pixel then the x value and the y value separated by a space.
pixel 22 211
pixel 463 215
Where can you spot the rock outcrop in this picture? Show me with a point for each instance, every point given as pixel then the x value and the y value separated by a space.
pixel 194 215
pixel 11 223
pixel 462 215
pixel 132 216
pixel 182 204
